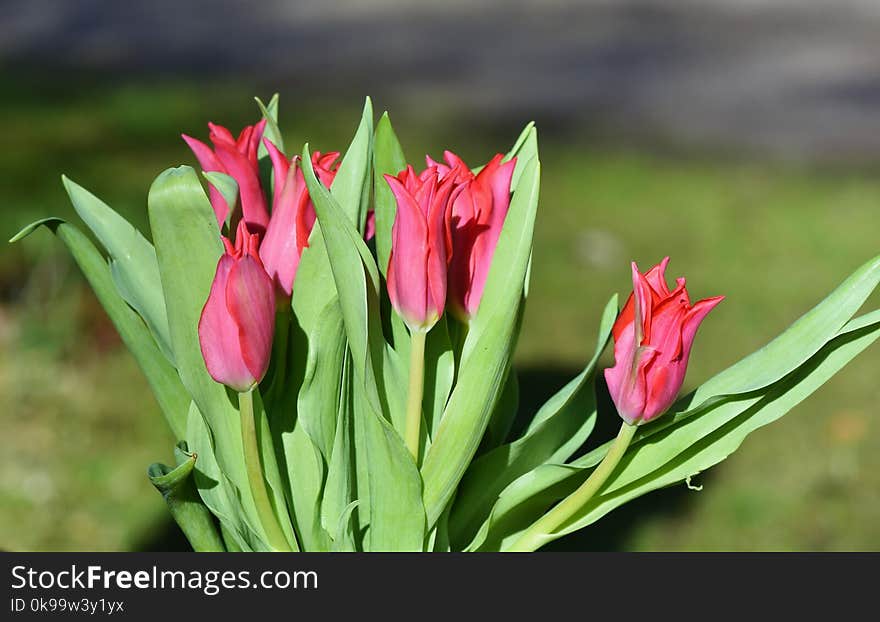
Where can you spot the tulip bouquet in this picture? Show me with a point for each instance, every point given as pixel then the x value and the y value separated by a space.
pixel 330 340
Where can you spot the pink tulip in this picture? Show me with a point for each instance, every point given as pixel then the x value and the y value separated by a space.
pixel 417 265
pixel 475 221
pixel 238 319
pixel 293 214
pixel 652 342
pixel 238 159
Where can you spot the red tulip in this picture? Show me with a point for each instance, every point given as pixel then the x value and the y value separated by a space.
pixel 417 265
pixel 475 221
pixel 293 214
pixel 652 342
pixel 238 159
pixel 238 319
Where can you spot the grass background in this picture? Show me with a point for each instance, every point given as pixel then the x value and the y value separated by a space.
pixel 79 426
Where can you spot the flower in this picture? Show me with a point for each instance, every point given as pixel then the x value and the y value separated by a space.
pixel 416 272
pixel 238 320
pixel 652 342
pixel 293 214
pixel 475 221
pixel 238 159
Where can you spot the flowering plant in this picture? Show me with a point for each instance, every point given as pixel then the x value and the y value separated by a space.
pixel 330 340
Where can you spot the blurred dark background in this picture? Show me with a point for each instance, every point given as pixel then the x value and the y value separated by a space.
pixel 741 137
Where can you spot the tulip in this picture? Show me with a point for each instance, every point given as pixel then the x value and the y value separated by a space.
pixel 238 159
pixel 652 342
pixel 293 214
pixel 475 221
pixel 417 270
pixel 238 320
pixel 416 275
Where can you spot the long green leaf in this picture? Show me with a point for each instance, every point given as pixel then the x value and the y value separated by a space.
pixel 559 428
pixel 352 181
pixel 134 267
pixel 486 354
pixel 396 517
pixel 799 342
pixel 387 158
pixel 161 376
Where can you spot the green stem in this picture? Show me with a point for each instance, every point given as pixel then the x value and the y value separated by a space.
pixel 265 513
pixel 414 394
pixel 538 534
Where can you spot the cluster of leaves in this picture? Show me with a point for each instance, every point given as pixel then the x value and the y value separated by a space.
pixel 331 409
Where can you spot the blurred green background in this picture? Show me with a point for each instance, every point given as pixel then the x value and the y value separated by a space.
pixel 773 211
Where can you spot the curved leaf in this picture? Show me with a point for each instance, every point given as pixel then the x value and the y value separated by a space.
pixel 134 267
pixel 161 376
pixel 179 491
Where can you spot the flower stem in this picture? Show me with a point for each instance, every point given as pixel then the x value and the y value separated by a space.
pixel 538 534
pixel 255 474
pixel 414 394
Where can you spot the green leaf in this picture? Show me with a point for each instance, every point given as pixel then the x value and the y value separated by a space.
pixel 486 353
pixel 306 476
pixel 439 375
pixel 524 149
pixel 318 403
pixel 228 187
pixel 503 417
pixel 218 493
pixel 270 113
pixel 387 158
pixel 271 470
pixel 344 538
pixel 558 429
pixel 799 342
pixel 341 485
pixel 351 184
pixel 397 516
pixel 395 512
pixel 355 275
pixel 188 247
pixel 179 491
pixel 161 376
pixel 134 267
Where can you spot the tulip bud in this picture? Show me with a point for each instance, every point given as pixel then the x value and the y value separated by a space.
pixel 293 214
pixel 238 159
pixel 417 264
pixel 238 320
pixel 652 342
pixel 475 220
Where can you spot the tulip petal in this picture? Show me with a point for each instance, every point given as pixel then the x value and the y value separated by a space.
pixel 692 322
pixel 656 276
pixel 643 302
pixel 209 163
pixel 250 298
pixel 219 338
pixel 219 133
pixel 627 382
pixel 407 270
pixel 280 166
pixel 285 237
pixel 246 173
